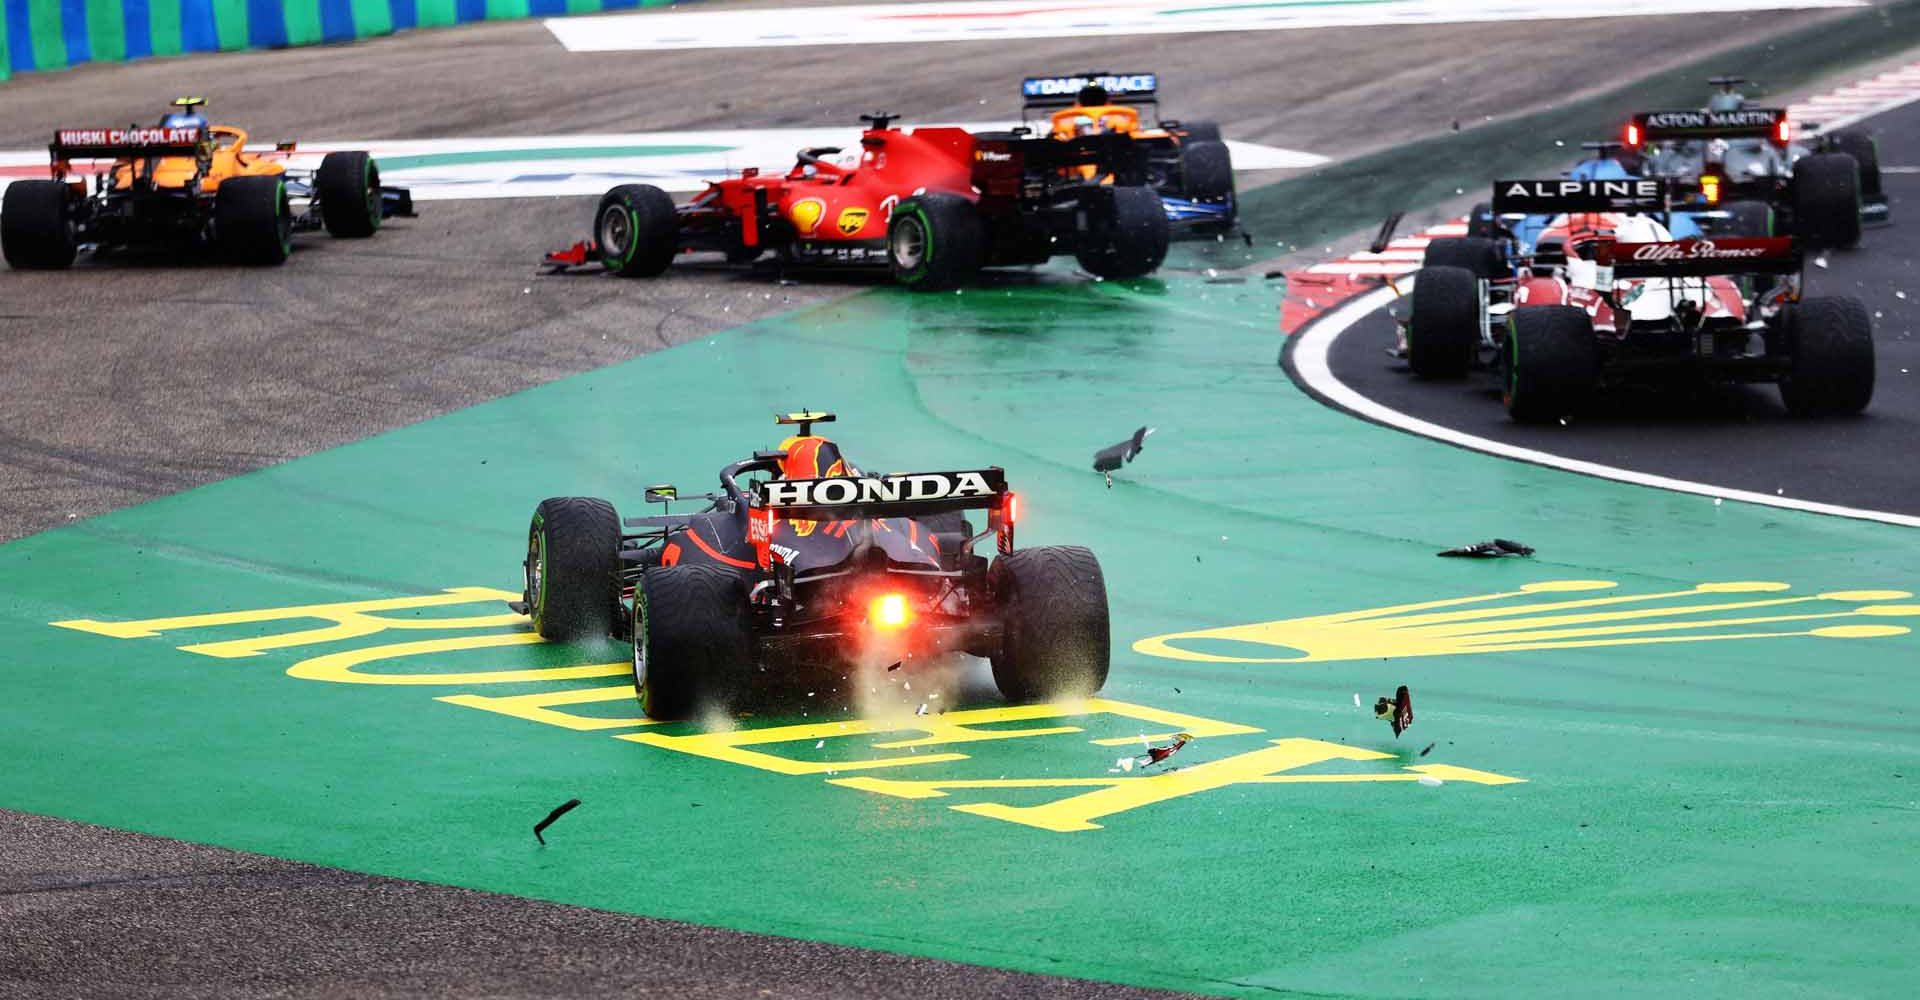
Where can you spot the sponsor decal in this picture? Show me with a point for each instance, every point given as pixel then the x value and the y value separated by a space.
pixel 1743 120
pixel 1593 189
pixel 916 487
pixel 1701 250
pixel 992 157
pixel 944 758
pixel 851 220
pixel 79 137
pixel 806 215
pixel 1115 84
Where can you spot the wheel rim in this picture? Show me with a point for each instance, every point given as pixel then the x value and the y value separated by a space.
pixel 616 233
pixel 640 652
pixel 908 243
pixel 536 574
pixel 285 222
pixel 373 193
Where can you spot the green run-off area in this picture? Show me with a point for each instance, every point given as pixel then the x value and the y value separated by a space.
pixel 1637 783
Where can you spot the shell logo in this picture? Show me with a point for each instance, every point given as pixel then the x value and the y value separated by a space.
pixel 806 215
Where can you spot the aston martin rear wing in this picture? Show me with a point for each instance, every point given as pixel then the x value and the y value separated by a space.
pixel 1702 257
pixel 115 143
pixel 911 494
pixel 1742 123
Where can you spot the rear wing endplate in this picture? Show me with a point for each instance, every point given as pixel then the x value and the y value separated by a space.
pixel 1702 257
pixel 113 143
pixel 909 494
pixel 1064 91
pixel 1552 197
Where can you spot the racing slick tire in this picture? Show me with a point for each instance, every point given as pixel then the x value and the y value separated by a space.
pixel 1826 200
pixel 1552 363
pixel 637 230
pixel 1443 334
pixel 1481 224
pixel 935 242
pixel 1206 170
pixel 1201 131
pixel 35 228
pixel 1866 154
pixel 1747 218
pixel 1057 641
pixel 1480 255
pixel 1830 349
pixel 1133 240
pixel 573 568
pixel 253 219
pixel 348 186
pixel 693 642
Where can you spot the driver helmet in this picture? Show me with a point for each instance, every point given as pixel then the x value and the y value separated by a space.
pixel 1731 101
pixel 1092 96
pixel 813 457
pixel 189 114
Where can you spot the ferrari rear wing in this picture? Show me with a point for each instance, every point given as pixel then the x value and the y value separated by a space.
pixel 913 494
pixel 1064 91
pixel 1552 197
pixel 1745 123
pixel 114 143
pixel 1699 258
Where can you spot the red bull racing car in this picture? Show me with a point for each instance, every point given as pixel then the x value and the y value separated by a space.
pixel 816 569
pixel 933 205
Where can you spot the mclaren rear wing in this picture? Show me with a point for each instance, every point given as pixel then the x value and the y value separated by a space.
pixel 115 143
pixel 1702 257
pixel 1050 92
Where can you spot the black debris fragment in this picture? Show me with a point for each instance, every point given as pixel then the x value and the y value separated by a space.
pixel 895 666
pixel 1108 460
pixel 1429 749
pixel 1397 711
pixel 564 808
pixel 1490 550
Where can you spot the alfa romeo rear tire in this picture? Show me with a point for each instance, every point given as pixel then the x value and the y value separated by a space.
pixel 1443 334
pixel 693 646
pixel 637 230
pixel 1830 347
pixel 935 242
pixel 1552 363
pixel 573 568
pixel 1057 640
pixel 36 229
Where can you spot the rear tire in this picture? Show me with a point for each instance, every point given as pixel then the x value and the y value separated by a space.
pixel 1443 334
pixel 253 218
pixel 1826 200
pixel 1131 241
pixel 1747 218
pixel 1830 345
pixel 1206 170
pixel 1866 155
pixel 1552 363
pixel 935 242
pixel 637 230
pixel 348 185
pixel 572 568
pixel 1058 641
pixel 1475 253
pixel 1201 131
pixel 693 646
pixel 36 225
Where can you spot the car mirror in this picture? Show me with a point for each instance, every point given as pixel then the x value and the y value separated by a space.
pixel 662 494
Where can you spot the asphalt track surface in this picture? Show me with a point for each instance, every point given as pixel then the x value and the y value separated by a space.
pixel 1739 437
pixel 125 386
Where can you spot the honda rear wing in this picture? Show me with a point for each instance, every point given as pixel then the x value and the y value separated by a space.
pixel 1553 197
pixel 912 494
pixel 117 143
pixel 1744 123
pixel 1699 258
pixel 1051 92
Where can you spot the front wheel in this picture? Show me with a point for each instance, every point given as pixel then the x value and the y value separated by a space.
pixel 573 568
pixel 1830 348
pixel 348 187
pixel 36 225
pixel 935 242
pixel 637 229
pixel 1129 236
pixel 1057 641
pixel 1552 362
pixel 693 644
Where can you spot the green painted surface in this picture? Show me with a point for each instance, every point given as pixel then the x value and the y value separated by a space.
pixel 6 54
pixel 583 6
pixel 106 30
pixel 49 45
pixel 372 17
pixel 1721 818
pixel 557 153
pixel 435 13
pixel 303 21
pixel 503 9
pixel 230 23
pixel 163 26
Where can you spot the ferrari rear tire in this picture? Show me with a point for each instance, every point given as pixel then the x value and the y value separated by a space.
pixel 1826 200
pixel 572 569
pixel 1443 334
pixel 348 186
pixel 1057 640
pixel 935 242
pixel 1131 240
pixel 1206 170
pixel 253 220
pixel 1552 363
pixel 1478 254
pixel 1830 347
pixel 693 648
pixel 36 227
pixel 637 229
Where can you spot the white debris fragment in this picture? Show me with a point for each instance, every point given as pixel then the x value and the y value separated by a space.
pixel 1717 501
pixel 1125 763
pixel 1820 261
pixel 1780 491
pixel 1899 295
pixel 922 710
pixel 526 291
pixel 1356 700
pixel 1430 781
pixel 819 744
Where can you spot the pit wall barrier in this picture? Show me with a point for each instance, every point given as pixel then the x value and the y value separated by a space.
pixel 56 34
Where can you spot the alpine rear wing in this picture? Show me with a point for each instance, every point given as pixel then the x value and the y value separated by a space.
pixel 1552 197
pixel 1744 123
pixel 114 143
pixel 1064 91
pixel 1699 258
pixel 905 495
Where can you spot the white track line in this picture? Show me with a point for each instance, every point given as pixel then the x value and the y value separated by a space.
pixel 1312 346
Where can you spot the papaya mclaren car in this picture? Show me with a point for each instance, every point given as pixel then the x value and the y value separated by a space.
pixel 811 572
pixel 1186 161
pixel 933 205
pixel 186 182
pixel 1607 296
